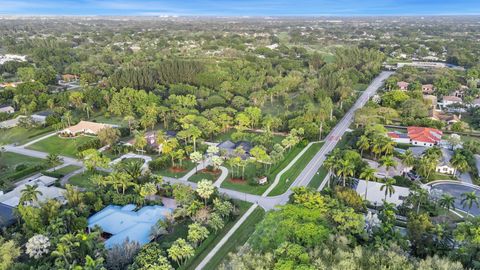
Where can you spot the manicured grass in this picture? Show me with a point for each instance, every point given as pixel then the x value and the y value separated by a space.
pixel 238 239
pixel 441 176
pixel 318 178
pixel 114 120
pixel 9 161
pixel 83 180
pixel 212 240
pixel 187 166
pixel 289 176
pixel 204 175
pixel 21 135
pixel 259 189
pixel 62 171
pixel 60 146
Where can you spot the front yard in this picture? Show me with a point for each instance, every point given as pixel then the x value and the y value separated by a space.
pixel 15 166
pixel 19 135
pixel 60 146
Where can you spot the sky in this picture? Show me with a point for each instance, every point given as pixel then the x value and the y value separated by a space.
pixel 240 7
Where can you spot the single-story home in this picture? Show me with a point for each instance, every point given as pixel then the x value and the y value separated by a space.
pixel 421 136
pixel 403 85
pixel 428 89
pixel 376 196
pixel 85 127
pixel 449 100
pixel 41 117
pixel 6 109
pixel 444 166
pixel 229 147
pixel 381 172
pixel 44 185
pixel 120 223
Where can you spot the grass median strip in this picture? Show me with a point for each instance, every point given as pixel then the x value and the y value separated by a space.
pixel 238 238
pixel 289 176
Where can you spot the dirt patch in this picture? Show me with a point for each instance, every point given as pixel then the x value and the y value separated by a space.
pixel 237 180
pixel 176 169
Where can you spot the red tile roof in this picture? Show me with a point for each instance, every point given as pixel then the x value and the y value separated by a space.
pixel 423 134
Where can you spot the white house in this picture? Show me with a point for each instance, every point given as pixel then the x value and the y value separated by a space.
pixel 444 166
pixel 449 100
pixel 6 109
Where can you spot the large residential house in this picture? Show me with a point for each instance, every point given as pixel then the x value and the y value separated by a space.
pixel 85 127
pixel 444 166
pixel 403 85
pixel 421 136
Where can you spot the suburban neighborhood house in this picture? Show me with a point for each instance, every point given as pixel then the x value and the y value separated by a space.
pixel 85 127
pixel 403 85
pixel 444 166
pixel 6 109
pixel 449 100
pixel 421 136
pixel 428 89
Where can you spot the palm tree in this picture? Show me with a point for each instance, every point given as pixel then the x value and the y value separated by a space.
pixel 30 194
pixel 447 201
pixel 331 164
pixel 469 199
pixel 388 146
pixel 408 158
pixel 363 144
pixel 460 162
pixel 367 174
pixel 388 187
pixel 53 160
pixel 388 162
pixel 345 169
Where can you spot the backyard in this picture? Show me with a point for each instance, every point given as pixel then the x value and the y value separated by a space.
pixel 60 146
pixel 20 135
pixel 15 166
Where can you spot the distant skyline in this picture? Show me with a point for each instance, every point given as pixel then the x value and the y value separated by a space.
pixel 239 7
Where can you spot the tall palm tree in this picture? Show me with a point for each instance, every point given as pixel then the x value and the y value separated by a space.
pixel 388 187
pixel 447 201
pixel 408 158
pixel 53 160
pixel 367 174
pixel 468 200
pixel 29 194
pixel 345 169
pixel 388 162
pixel 363 144
pixel 331 165
pixel 460 162
pixel 388 146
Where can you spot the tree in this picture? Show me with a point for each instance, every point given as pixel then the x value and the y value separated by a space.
pixel 217 162
pixel 108 135
pixel 194 133
pixel 408 158
pixel 363 144
pixel 388 186
pixel 180 251
pixel 169 147
pixel 93 159
pixel 388 162
pixel 37 246
pixel 53 160
pixel 197 233
pixel 205 189
pixel 29 194
pixel 468 200
pixel 148 190
pixel 367 174
pixel 151 257
pixel 215 222
pixel 447 201
pixel 460 162
pixel 345 169
pixel 9 251
pixel 196 157
pixel 140 141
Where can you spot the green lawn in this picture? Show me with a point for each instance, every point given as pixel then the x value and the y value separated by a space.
pixel 60 146
pixel 114 120
pixel 83 180
pixel 9 162
pixel 62 171
pixel 238 239
pixel 318 178
pixel 187 166
pixel 204 175
pixel 212 240
pixel 21 135
pixel 289 176
pixel 258 189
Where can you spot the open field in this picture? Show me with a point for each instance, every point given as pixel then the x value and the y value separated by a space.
pixel 19 135
pixel 60 146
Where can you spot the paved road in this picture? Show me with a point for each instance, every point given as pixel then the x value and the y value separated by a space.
pixel 38 154
pixel 456 190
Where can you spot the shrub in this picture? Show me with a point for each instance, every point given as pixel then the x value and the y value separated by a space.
pixel 92 144
pixel 159 163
